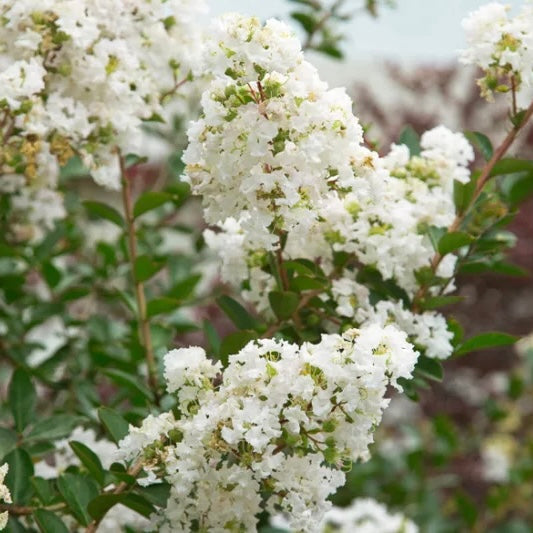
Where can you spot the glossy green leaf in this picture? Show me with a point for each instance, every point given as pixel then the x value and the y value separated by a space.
pixel 430 368
pixel 130 381
pixel 233 343
pixel 463 193
pixel 511 166
pixel 237 313
pixel 53 427
pixel 517 187
pixel 212 336
pixel 283 303
pixel 51 274
pixel 436 302
pixel 411 139
pixel 306 283
pixel 160 306
pixel 49 522
pixel 102 503
pixel 115 424
pixel 8 441
pixel 450 242
pixel 77 491
pixel 157 494
pixel 18 478
pixel 22 398
pixel 481 142
pixel 44 489
pixel 145 268
pixel 89 460
pixel 149 201
pixel 308 22
pixel 485 341
pixel 184 288
pixel 105 211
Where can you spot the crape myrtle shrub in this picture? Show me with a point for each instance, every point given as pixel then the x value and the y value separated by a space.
pixel 337 261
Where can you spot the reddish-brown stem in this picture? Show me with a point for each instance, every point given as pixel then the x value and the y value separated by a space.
pixel 480 184
pixel 174 89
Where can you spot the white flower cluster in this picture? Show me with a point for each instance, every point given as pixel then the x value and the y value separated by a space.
pixel 367 516
pixel 273 432
pixel 363 515
pixel 5 495
pixel 279 160
pixel 81 76
pixel 502 46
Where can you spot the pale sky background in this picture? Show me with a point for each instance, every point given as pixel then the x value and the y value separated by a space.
pixel 416 30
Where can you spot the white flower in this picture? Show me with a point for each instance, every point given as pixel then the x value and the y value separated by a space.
pixel 248 429
pixel 84 75
pixel 5 495
pixel 497 458
pixel 367 516
pixel 502 46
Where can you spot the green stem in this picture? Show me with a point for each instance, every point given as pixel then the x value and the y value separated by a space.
pixel 144 325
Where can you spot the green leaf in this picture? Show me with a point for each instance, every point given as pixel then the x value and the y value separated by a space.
pixel 150 200
pixel 51 274
pixel 213 337
pixel 105 211
pixel 21 398
pixel 49 522
pixel 74 293
pixel 160 306
pixel 330 50
pixel 237 313
pixel 430 368
pixel 18 478
pixel 511 166
pixel 411 139
pixel 436 302
pixel 8 441
pixel 100 505
pixel 89 460
pixel 115 424
pixel 453 241
pixel 157 494
pixel 130 381
pixel 435 234
pixel 307 22
pixel 481 142
pixel 184 288
pixel 463 193
pixel 306 283
pixel 283 303
pixel 301 266
pixel 458 333
pixel 484 341
pixel 145 267
pixel 45 489
pixel 517 187
pixel 77 491
pixel 467 508
pixel 233 343
pixel 53 427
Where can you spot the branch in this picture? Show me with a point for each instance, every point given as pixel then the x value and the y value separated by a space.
pixel 481 182
pixel 144 325
pixel 134 471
